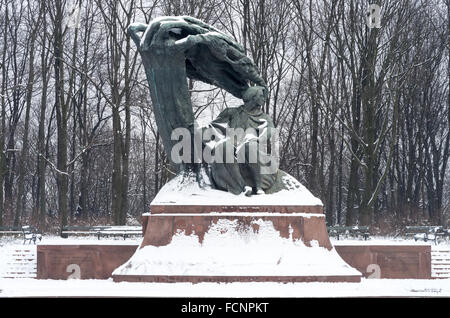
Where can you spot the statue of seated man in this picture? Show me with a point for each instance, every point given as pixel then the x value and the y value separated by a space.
pixel 252 147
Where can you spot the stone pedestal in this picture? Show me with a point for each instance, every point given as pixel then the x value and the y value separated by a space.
pixel 396 260
pixel 197 235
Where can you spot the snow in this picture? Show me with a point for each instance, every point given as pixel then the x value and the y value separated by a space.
pixel 26 287
pixel 107 288
pixel 183 190
pixel 378 241
pixel 74 240
pixel 18 261
pixel 87 241
pixel 252 214
pixel 228 250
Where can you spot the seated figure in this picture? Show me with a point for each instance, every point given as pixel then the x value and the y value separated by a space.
pixel 250 149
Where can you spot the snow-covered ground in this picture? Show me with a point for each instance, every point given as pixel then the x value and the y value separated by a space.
pixel 57 240
pixel 379 240
pixel 89 288
pixel 26 287
pixel 54 239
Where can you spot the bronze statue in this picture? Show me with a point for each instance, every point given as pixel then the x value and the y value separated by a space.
pixel 176 48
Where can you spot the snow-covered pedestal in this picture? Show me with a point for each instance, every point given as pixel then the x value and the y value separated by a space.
pixel 195 234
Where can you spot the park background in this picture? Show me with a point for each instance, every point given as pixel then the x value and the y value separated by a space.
pixel 363 113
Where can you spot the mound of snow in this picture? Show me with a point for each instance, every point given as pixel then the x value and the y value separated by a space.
pixel 185 190
pixel 228 250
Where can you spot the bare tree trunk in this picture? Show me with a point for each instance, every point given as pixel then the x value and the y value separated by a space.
pixel 369 125
pixel 41 163
pixel 116 204
pixel 126 144
pixel 3 166
pixel 24 153
pixel 61 116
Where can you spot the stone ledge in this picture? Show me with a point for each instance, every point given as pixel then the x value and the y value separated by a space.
pixel 394 261
pixel 157 209
pixel 54 259
pixel 234 279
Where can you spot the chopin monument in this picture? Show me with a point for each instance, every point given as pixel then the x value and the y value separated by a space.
pixel 229 214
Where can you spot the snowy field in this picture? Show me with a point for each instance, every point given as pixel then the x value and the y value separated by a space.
pixel 53 239
pixel 107 288
pixel 28 287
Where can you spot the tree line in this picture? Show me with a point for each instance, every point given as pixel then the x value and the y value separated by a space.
pixel 363 113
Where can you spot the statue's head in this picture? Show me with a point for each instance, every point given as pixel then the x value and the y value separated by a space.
pixel 254 96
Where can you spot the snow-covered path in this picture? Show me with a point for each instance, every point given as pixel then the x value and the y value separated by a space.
pixel 28 287
pixel 102 288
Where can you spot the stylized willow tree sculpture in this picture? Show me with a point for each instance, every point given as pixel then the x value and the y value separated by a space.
pixel 176 48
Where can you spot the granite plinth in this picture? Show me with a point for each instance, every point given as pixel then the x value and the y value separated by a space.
pixel 97 261
pixel 207 243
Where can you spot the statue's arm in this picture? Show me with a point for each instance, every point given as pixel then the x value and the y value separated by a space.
pixel 177 25
pixel 224 116
pixel 205 37
pixel 189 41
pixel 134 29
pixel 267 128
pixel 219 124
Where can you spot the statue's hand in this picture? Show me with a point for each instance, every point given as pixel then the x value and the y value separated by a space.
pixel 133 31
pixel 195 39
pixel 188 42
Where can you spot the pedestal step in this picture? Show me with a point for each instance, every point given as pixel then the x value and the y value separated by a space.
pixel 234 279
pixel 236 247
